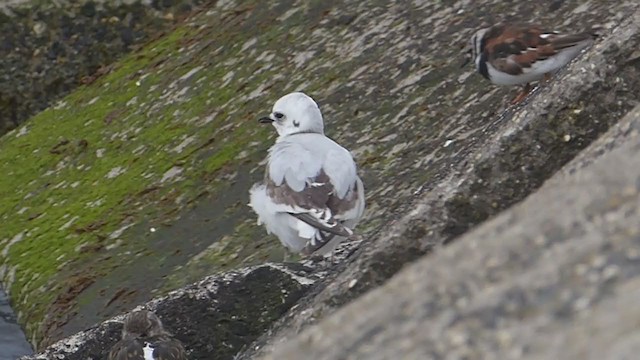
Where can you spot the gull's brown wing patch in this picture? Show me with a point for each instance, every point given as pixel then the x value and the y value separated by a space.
pixel 317 194
pixel 340 206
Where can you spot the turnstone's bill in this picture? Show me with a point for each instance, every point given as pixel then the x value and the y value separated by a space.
pixel 144 338
pixel 510 54
pixel 312 197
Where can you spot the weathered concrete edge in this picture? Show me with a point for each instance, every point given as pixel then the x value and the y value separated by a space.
pixel 182 309
pixel 423 223
pixel 348 330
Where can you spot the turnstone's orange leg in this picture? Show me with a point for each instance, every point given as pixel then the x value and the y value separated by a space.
pixel 522 95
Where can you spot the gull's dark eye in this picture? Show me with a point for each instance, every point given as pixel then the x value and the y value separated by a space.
pixel 278 115
pixel 296 124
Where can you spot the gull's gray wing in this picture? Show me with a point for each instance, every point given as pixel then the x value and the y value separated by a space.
pixel 315 180
pixel 298 159
pixel 311 172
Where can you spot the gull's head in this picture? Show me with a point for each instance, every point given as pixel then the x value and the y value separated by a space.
pixel 295 113
pixel 142 323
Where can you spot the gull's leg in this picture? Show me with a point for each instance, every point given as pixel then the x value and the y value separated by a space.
pixel 287 255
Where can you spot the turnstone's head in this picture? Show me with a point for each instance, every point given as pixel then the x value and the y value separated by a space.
pixel 142 323
pixel 295 113
pixel 510 54
pixel 476 45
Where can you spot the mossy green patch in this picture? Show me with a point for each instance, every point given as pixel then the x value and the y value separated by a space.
pixel 99 186
pixel 139 143
pixel 73 171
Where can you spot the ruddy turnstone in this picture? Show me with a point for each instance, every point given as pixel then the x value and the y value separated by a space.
pixel 510 54
pixel 312 197
pixel 144 338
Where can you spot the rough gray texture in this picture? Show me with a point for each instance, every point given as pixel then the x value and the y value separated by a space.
pixel 213 318
pixel 48 48
pixel 520 149
pixel 438 153
pixel 556 277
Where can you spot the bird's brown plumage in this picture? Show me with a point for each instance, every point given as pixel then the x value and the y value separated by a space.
pixel 143 329
pixel 514 48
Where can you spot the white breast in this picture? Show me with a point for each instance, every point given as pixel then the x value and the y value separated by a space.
pixel 148 352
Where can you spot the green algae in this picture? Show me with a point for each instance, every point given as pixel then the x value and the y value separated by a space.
pixel 68 190
pixel 100 161
pixel 161 133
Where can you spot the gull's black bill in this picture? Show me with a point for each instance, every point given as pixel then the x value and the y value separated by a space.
pixel 265 120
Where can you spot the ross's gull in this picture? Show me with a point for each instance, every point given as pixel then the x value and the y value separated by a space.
pixel 312 197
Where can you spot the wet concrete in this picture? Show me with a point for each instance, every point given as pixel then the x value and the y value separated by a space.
pixel 504 157
pixel 13 342
pixel 214 318
pixel 554 277
pixel 170 246
pixel 438 151
pixel 51 47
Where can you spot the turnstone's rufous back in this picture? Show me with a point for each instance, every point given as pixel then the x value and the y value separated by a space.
pixel 508 54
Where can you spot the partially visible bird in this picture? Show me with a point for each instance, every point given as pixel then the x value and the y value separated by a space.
pixel 312 197
pixel 508 54
pixel 144 338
